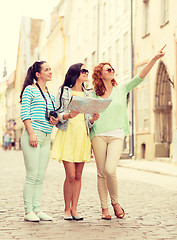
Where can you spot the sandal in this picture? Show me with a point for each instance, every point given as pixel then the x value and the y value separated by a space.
pixel 107 217
pixel 120 215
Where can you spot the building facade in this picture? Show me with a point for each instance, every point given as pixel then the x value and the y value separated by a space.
pixel 28 42
pixel 156 124
pixel 3 107
pixel 100 31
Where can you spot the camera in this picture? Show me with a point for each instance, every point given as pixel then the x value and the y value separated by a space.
pixel 51 114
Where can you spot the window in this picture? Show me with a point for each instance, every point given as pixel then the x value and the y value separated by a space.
pixel 126 5
pixel 118 9
pixel 126 60
pixel 111 13
pixel 85 62
pixel 110 54
pixel 78 34
pixel 86 28
pixel 55 49
pixel 104 57
pixel 164 11
pixel 94 24
pixel 68 48
pixel 117 57
pixel 143 104
pixel 146 17
pixel 79 4
pixel 93 59
pixel 104 18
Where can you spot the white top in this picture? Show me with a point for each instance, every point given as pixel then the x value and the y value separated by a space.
pixel 118 133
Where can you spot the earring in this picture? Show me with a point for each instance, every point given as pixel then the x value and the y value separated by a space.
pixel 34 81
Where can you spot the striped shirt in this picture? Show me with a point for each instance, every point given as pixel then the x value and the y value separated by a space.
pixel 34 108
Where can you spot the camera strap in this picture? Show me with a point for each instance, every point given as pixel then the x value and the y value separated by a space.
pixel 45 97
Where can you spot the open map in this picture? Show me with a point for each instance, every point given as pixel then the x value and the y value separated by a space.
pixel 88 105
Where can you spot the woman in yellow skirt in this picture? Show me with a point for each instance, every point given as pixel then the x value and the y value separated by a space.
pixel 72 143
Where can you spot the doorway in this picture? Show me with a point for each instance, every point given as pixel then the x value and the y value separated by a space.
pixel 163 113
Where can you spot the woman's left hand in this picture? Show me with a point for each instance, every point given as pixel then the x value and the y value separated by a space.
pixel 95 117
pixel 53 120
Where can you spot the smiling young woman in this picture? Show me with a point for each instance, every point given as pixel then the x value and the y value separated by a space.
pixel 35 141
pixel 108 131
pixel 72 144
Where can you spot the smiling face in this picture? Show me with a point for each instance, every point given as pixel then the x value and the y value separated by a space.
pixel 83 74
pixel 108 72
pixel 45 73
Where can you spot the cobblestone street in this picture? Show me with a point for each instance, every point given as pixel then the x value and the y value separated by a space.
pixel 149 200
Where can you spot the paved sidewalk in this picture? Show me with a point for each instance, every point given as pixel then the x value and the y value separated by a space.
pixel 169 169
pixel 149 201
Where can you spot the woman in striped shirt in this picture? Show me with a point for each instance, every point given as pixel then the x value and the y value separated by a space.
pixel 36 103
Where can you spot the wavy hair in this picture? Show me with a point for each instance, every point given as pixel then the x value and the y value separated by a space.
pixel 97 82
pixel 31 75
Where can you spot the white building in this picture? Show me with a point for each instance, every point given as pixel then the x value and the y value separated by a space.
pixel 156 125
pixel 100 31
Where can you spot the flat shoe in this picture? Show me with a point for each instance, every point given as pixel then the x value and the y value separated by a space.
pixel 107 217
pixel 43 216
pixel 77 218
pixel 31 217
pixel 68 218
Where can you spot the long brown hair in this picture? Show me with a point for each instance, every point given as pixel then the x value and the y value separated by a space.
pixel 31 75
pixel 97 82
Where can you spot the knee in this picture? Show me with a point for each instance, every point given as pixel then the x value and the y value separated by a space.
pixel 111 173
pixel 101 174
pixel 40 179
pixel 70 178
pixel 31 177
pixel 78 177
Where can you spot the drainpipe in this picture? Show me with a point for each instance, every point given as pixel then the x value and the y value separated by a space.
pixel 64 44
pixel 98 30
pixel 131 150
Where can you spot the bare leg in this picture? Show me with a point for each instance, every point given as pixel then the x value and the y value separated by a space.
pixel 77 187
pixel 68 185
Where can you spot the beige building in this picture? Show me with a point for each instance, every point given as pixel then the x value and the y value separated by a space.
pixel 10 121
pixel 7 122
pixel 3 107
pixel 51 45
pixel 100 31
pixel 156 125
pixel 28 41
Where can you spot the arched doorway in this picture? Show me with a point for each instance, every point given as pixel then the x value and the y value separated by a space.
pixel 163 113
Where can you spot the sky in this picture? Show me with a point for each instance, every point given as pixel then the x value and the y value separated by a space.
pixel 10 17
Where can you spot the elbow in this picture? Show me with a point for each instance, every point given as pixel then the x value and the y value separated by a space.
pixel 142 75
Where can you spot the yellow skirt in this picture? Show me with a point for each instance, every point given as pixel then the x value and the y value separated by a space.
pixel 72 145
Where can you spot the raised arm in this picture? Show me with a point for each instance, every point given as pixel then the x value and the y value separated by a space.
pixel 148 67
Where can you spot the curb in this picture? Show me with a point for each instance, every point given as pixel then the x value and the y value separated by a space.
pixel 148 170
